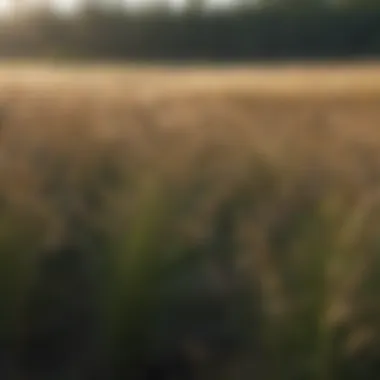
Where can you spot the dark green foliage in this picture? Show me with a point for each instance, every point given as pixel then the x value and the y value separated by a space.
pixel 274 30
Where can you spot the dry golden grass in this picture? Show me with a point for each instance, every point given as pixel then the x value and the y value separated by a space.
pixel 290 80
pixel 294 150
pixel 305 121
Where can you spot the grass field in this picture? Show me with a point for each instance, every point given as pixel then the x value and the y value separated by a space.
pixel 291 79
pixel 189 223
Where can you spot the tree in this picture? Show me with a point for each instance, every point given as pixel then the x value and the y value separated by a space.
pixel 294 5
pixel 358 4
pixel 196 6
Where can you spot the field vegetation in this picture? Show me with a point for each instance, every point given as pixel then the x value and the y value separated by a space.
pixel 163 223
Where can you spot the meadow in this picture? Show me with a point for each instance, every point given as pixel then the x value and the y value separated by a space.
pixel 189 223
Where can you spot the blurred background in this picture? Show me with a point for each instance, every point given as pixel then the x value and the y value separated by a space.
pixel 196 30
pixel 189 190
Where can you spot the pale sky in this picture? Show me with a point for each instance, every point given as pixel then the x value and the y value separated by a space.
pixel 67 5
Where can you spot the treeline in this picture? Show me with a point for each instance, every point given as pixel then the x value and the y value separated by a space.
pixel 242 33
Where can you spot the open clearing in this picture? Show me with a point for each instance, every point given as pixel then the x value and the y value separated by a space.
pixel 290 80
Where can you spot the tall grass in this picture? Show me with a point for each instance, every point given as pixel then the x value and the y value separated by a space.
pixel 217 236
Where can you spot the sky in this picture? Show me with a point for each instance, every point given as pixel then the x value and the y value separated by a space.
pixel 69 5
